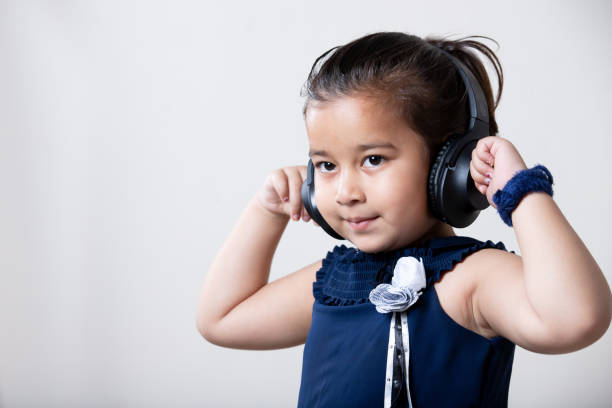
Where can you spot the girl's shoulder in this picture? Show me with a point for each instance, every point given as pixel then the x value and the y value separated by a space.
pixel 488 259
pixel 461 292
pixel 457 292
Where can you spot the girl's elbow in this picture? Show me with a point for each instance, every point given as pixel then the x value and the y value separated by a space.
pixel 205 329
pixel 602 323
pixel 596 319
pixel 574 335
pixel 596 332
pixel 598 323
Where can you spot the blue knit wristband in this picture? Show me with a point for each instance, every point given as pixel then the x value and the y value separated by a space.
pixel 537 178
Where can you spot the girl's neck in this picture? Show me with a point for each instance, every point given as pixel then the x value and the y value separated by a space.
pixel 439 229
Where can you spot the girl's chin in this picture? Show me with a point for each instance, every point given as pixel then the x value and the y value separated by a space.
pixel 370 247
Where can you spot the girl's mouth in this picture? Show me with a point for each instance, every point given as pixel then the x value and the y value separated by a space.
pixel 360 224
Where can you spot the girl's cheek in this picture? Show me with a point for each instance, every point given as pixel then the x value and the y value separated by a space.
pixel 323 197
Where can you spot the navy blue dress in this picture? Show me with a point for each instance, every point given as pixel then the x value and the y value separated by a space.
pixel 345 355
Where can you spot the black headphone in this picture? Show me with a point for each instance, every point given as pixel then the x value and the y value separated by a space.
pixel 451 193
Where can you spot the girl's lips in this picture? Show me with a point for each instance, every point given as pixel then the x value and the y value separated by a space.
pixel 360 225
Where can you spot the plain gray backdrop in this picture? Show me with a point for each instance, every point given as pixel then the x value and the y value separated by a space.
pixel 134 133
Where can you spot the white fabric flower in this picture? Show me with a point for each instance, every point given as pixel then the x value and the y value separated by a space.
pixel 408 279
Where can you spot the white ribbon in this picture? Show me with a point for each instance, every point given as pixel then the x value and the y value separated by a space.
pixel 408 279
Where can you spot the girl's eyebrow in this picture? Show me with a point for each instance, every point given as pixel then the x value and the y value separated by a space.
pixel 361 148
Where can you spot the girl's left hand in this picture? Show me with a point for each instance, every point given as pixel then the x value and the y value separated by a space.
pixel 494 161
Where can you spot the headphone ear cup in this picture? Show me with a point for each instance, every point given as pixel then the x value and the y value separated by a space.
pixel 307 191
pixel 453 198
pixel 434 190
pixel 308 201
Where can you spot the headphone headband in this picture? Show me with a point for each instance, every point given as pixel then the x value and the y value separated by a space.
pixel 477 101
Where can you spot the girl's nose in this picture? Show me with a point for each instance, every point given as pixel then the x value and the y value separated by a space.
pixel 349 190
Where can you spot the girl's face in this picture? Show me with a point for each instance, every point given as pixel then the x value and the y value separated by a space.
pixel 371 174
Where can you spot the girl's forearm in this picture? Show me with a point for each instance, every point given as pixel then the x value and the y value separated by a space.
pixel 242 265
pixel 564 284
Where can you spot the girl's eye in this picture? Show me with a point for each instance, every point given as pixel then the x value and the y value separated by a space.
pixel 374 160
pixel 325 167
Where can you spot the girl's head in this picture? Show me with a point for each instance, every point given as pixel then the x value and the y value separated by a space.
pixel 377 111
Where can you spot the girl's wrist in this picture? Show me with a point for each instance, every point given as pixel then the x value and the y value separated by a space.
pixel 536 179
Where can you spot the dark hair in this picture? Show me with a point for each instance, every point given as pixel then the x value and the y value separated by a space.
pixel 412 75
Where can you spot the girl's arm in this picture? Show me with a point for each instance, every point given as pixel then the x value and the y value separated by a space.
pixel 237 307
pixel 554 298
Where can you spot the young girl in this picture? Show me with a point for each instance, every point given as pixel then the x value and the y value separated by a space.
pixel 413 315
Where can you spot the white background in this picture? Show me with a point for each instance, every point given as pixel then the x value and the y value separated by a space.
pixel 134 133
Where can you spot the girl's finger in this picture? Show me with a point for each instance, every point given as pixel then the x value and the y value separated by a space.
pixel 295 199
pixel 305 216
pixel 483 150
pixel 482 189
pixel 482 167
pixel 303 171
pixel 482 158
pixel 279 181
pixel 477 176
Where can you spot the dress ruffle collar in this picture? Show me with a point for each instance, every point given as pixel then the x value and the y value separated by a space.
pixel 347 275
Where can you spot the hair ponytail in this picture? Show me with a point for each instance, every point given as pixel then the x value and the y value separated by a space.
pixel 462 50
pixel 412 76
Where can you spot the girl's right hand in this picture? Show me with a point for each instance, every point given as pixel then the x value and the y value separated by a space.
pixel 281 193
